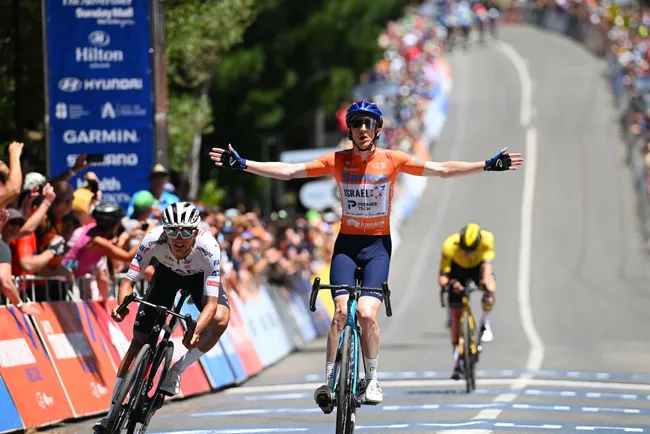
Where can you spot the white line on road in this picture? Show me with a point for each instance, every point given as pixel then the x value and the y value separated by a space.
pixel 480 382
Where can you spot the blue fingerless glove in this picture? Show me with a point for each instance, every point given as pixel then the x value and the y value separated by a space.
pixel 498 162
pixel 232 160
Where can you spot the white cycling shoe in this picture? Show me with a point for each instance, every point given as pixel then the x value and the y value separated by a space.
pixel 373 393
pixel 172 384
pixel 486 333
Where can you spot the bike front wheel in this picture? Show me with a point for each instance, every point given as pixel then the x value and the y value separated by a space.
pixel 346 405
pixel 131 386
pixel 150 403
pixel 468 357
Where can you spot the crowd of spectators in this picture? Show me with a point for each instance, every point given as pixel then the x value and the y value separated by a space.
pixel 53 249
pixel 404 80
pixel 619 31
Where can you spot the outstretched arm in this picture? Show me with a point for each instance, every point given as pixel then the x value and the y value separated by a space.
pixel 276 169
pixel 450 169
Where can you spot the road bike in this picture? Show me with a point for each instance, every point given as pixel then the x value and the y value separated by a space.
pixel 350 389
pixel 469 342
pixel 137 411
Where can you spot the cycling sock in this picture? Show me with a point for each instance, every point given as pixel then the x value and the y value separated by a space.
pixel 188 358
pixel 456 355
pixel 329 370
pixel 371 368
pixel 118 381
pixel 485 319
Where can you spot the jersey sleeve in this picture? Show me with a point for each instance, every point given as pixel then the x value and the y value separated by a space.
pixel 407 163
pixel 446 255
pixel 212 272
pixel 488 242
pixel 144 255
pixel 321 166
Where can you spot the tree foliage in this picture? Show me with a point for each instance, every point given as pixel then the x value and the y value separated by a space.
pixel 296 57
pixel 237 70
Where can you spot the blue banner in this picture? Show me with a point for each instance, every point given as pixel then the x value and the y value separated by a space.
pixel 300 312
pixel 99 83
pixel 10 419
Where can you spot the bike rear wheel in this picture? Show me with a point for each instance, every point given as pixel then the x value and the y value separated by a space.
pixel 131 386
pixel 148 405
pixel 346 405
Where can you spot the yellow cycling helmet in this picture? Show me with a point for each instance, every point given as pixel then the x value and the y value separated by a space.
pixel 470 237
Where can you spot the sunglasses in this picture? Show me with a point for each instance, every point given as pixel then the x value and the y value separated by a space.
pixel 370 123
pixel 176 231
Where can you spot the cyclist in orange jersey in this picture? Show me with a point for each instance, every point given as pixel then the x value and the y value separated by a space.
pixel 365 177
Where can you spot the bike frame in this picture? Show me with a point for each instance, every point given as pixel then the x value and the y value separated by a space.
pixel 472 325
pixel 351 321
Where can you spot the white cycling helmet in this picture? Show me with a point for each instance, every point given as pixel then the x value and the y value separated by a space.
pixel 181 214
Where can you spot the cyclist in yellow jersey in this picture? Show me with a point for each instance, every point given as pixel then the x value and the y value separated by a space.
pixel 468 254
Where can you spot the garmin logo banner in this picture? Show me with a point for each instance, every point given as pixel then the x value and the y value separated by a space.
pixel 100 90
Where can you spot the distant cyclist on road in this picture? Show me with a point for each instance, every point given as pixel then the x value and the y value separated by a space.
pixel 468 254
pixel 365 177
pixel 187 258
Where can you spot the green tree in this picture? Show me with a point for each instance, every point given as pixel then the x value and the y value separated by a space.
pixel 198 34
pixel 297 57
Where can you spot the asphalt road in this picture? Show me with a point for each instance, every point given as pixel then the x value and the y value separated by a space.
pixel 572 275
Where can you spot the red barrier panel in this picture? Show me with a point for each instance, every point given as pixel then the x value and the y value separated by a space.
pixel 113 334
pixel 28 372
pixel 243 343
pixel 82 360
pixel 194 379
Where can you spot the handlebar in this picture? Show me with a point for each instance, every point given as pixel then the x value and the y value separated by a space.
pixel 470 286
pixel 190 323
pixel 317 286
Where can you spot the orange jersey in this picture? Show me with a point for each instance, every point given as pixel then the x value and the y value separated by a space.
pixel 365 188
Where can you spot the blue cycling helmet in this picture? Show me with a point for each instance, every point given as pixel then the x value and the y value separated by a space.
pixel 364 107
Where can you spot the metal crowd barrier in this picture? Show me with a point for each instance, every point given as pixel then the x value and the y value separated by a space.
pixel 65 288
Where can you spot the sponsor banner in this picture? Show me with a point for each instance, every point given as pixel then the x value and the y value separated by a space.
pixel 10 420
pixel 214 362
pixel 240 336
pixel 79 354
pixel 118 344
pixel 300 312
pixel 100 90
pixel 28 372
pixel 234 359
pixel 260 324
pixel 274 328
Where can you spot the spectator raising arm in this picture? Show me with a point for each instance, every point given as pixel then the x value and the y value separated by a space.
pixel 10 190
pixel 38 216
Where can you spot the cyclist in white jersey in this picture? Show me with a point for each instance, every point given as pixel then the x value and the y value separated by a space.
pixel 187 258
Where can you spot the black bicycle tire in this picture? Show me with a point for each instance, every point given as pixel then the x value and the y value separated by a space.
pixel 138 388
pixel 125 387
pixel 467 353
pixel 167 355
pixel 344 397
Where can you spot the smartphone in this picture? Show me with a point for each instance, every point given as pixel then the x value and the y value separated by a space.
pixel 145 226
pixel 95 158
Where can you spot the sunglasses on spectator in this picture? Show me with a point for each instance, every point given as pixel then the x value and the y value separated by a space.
pixel 370 123
pixel 176 231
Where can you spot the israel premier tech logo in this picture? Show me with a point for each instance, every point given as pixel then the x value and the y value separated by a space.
pixel 366 178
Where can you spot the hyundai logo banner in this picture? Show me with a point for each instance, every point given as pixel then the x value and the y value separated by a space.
pixel 100 91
